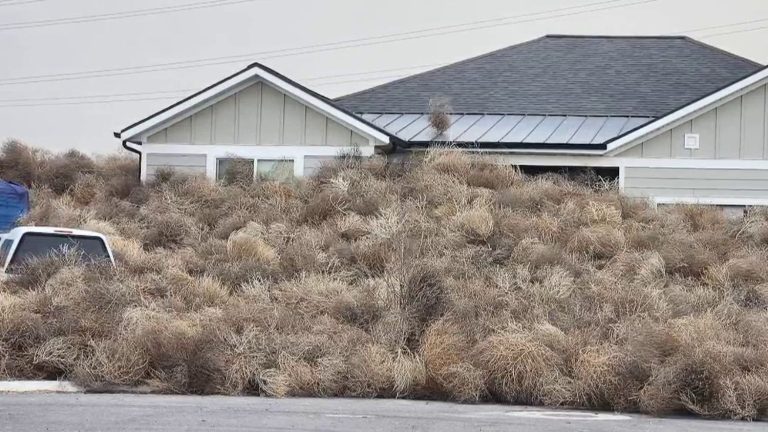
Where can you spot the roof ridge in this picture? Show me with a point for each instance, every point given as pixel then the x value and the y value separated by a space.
pixel 680 37
pixel 722 51
pixel 467 60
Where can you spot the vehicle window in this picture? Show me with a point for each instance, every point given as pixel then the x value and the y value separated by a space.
pixel 39 245
pixel 4 249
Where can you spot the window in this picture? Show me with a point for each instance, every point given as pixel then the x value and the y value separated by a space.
pixel 38 245
pixel 275 169
pixel 234 170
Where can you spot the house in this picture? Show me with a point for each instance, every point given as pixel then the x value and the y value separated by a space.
pixel 678 120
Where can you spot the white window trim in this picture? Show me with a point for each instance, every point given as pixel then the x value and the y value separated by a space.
pixel 214 152
pixel 242 78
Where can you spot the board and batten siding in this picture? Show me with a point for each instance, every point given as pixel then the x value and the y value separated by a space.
pixel 696 183
pixel 258 115
pixel 737 129
pixel 192 164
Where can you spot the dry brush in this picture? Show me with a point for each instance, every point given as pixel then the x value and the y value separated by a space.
pixel 443 278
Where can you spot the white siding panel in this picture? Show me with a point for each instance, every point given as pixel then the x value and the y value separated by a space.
pixel 338 135
pixel 634 152
pixel 224 119
pixel 753 124
pixel 729 130
pixel 640 191
pixel 248 115
pixel 295 122
pixel 705 126
pixel 272 109
pixel 179 163
pixel 316 127
pixel 202 127
pixel 696 182
pixel 659 146
pixel 160 137
pixel 359 140
pixel 737 129
pixel 181 132
pixel 678 141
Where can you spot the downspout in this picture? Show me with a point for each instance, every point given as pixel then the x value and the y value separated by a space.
pixel 131 149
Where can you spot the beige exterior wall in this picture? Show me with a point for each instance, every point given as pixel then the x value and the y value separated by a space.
pixel 180 163
pixel 737 129
pixel 259 115
pixel 696 183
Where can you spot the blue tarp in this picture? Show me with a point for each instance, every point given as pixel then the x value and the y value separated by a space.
pixel 14 204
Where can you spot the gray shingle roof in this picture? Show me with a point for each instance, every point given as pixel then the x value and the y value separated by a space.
pixel 567 75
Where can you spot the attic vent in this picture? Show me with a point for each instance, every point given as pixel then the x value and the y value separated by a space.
pixel 692 141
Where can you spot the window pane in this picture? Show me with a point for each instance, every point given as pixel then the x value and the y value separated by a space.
pixel 234 170
pixel 280 170
pixel 4 251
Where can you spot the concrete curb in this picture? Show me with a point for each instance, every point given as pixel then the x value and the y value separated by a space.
pixel 39 387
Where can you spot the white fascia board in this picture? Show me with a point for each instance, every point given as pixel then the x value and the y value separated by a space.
pixel 244 76
pixel 711 201
pixel 694 108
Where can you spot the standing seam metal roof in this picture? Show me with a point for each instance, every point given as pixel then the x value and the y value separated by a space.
pixel 499 129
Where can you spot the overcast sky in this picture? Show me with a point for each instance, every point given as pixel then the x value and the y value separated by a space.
pixel 56 111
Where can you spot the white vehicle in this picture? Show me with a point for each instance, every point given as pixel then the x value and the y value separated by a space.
pixel 26 243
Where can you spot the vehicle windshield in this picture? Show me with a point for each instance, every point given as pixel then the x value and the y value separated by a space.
pixel 42 245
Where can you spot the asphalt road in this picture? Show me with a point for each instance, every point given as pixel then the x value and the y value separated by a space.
pixel 91 413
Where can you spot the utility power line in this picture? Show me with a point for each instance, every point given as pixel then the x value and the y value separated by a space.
pixel 713 35
pixel 317 78
pixel 120 15
pixel 96 96
pixel 83 99
pixel 719 26
pixel 20 2
pixel 331 46
pixel 87 102
pixel 44 102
